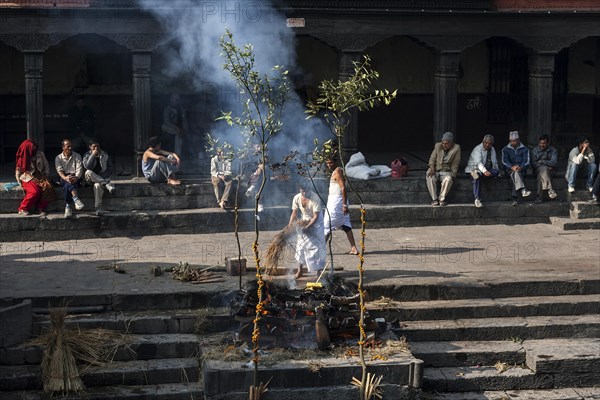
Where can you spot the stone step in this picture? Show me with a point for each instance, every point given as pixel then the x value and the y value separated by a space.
pixel 197 297
pixel 468 354
pixel 517 377
pixel 484 290
pixel 85 224
pixel 590 393
pixel 584 209
pixel 564 356
pixel 570 224
pixel 134 223
pixel 154 322
pixel 144 372
pixel 164 391
pixel 136 347
pixel 408 215
pixel 518 328
pixel 551 356
pixel 138 194
pixel 485 307
pixel 222 378
pixel 469 379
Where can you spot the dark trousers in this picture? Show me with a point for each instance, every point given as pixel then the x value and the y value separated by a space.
pixel 477 182
pixel 68 187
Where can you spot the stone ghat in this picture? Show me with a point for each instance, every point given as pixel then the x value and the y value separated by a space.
pixel 138 208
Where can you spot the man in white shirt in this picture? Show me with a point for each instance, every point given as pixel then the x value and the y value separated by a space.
pixel 220 173
pixel 70 170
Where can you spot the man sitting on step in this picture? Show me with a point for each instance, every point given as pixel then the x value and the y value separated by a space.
pixel 544 161
pixel 515 158
pixel 443 166
pixel 220 175
pixel 159 165
pixel 483 164
pixel 98 165
pixel 69 167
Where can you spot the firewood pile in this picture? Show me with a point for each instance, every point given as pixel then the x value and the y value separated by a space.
pixel 327 313
pixel 187 273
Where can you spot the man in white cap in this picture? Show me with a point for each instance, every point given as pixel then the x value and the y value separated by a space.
pixel 443 167
pixel 515 158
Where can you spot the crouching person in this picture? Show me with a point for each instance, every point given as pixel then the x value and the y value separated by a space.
pixel 160 165
pixel 98 167
pixel 482 164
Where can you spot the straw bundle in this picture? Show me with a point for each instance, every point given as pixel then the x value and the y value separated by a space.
pixel 276 249
pixel 65 347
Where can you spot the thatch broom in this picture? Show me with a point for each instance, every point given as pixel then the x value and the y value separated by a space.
pixel 65 347
pixel 276 249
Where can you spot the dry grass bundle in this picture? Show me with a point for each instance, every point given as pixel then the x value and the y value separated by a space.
pixel 276 249
pixel 65 347
pixel 256 392
pixel 372 386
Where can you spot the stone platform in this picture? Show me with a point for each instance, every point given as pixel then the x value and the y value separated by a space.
pixel 138 208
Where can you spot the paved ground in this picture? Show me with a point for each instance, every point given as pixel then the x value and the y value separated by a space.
pixel 427 255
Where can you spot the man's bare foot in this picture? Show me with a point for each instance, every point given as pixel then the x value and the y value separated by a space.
pixel 173 182
pixel 353 251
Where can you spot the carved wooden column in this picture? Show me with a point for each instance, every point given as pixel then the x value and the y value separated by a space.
pixel 345 70
pixel 445 94
pixel 539 119
pixel 34 97
pixel 141 98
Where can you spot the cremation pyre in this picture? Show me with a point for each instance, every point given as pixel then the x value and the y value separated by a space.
pixel 291 318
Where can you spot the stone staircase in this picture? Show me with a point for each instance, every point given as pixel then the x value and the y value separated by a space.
pixel 524 340
pixel 161 359
pixel 539 343
pixel 139 208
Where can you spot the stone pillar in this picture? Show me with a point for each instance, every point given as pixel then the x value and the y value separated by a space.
pixel 445 94
pixel 345 70
pixel 34 97
pixel 141 99
pixel 539 117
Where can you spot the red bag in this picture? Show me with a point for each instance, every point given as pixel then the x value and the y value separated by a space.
pixel 399 168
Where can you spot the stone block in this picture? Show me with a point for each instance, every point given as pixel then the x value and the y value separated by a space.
pixel 223 377
pixel 15 324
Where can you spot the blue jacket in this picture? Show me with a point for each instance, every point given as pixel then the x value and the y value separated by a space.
pixel 518 156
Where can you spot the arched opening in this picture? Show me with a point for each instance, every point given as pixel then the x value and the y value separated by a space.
pixel 92 68
pixel 13 127
pixel 316 61
pixel 407 123
pixel 576 93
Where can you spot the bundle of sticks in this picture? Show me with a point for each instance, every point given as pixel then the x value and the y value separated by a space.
pixel 276 249
pixel 187 273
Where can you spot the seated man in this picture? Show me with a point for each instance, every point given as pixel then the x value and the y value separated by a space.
pixel 544 160
pixel 159 165
pixel 443 166
pixel 98 167
pixel 581 157
pixel 220 175
pixel 483 163
pixel 596 189
pixel 515 158
pixel 69 167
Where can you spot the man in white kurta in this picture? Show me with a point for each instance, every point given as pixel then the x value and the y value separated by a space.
pixel 307 216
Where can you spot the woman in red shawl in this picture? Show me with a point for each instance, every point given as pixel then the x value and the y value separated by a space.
pixel 31 166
